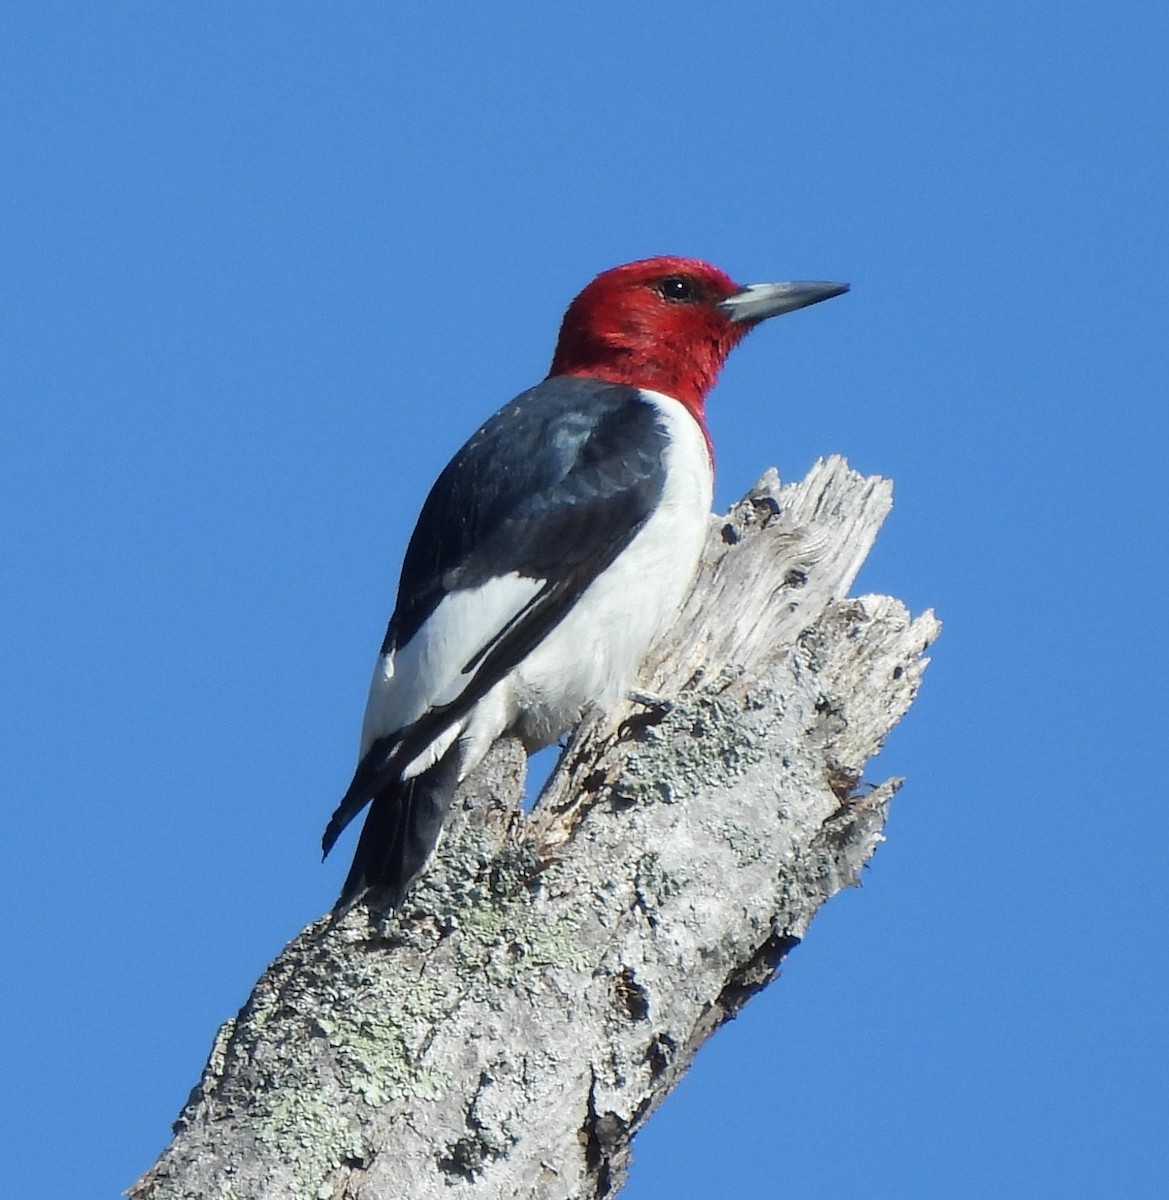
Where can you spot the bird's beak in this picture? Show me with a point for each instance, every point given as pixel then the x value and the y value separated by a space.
pixel 758 301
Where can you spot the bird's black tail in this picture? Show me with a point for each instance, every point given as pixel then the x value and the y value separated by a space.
pixel 400 832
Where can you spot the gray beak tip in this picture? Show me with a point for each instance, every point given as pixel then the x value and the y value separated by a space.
pixel 758 301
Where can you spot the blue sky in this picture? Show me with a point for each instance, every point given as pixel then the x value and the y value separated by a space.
pixel 265 266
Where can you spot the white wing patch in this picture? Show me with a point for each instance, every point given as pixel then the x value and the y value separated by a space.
pixel 428 670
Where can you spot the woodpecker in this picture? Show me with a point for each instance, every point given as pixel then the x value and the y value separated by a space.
pixel 552 551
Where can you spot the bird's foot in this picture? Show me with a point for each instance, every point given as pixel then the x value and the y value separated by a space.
pixel 657 709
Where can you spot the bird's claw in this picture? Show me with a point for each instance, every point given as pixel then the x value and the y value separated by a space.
pixel 658 708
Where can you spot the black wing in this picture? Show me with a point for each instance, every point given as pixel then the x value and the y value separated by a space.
pixel 559 479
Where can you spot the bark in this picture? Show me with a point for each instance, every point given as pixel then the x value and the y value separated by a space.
pixel 550 978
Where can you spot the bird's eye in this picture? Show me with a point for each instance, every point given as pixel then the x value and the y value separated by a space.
pixel 678 289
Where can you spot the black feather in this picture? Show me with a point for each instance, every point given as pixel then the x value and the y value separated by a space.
pixel 399 834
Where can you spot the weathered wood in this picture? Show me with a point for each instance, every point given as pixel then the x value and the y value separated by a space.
pixel 550 978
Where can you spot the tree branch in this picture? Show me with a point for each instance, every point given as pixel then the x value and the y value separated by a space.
pixel 550 978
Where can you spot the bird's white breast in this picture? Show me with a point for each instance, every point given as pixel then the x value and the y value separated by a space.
pixel 590 660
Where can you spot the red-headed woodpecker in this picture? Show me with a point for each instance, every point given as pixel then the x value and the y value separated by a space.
pixel 552 551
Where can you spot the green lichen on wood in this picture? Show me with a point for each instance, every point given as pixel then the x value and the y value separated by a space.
pixel 379 1010
pixel 720 739
pixel 748 846
pixel 309 1133
pixel 378 1032
pixel 654 885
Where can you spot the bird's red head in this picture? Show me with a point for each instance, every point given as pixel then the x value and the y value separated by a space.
pixel 669 323
pixel 655 324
